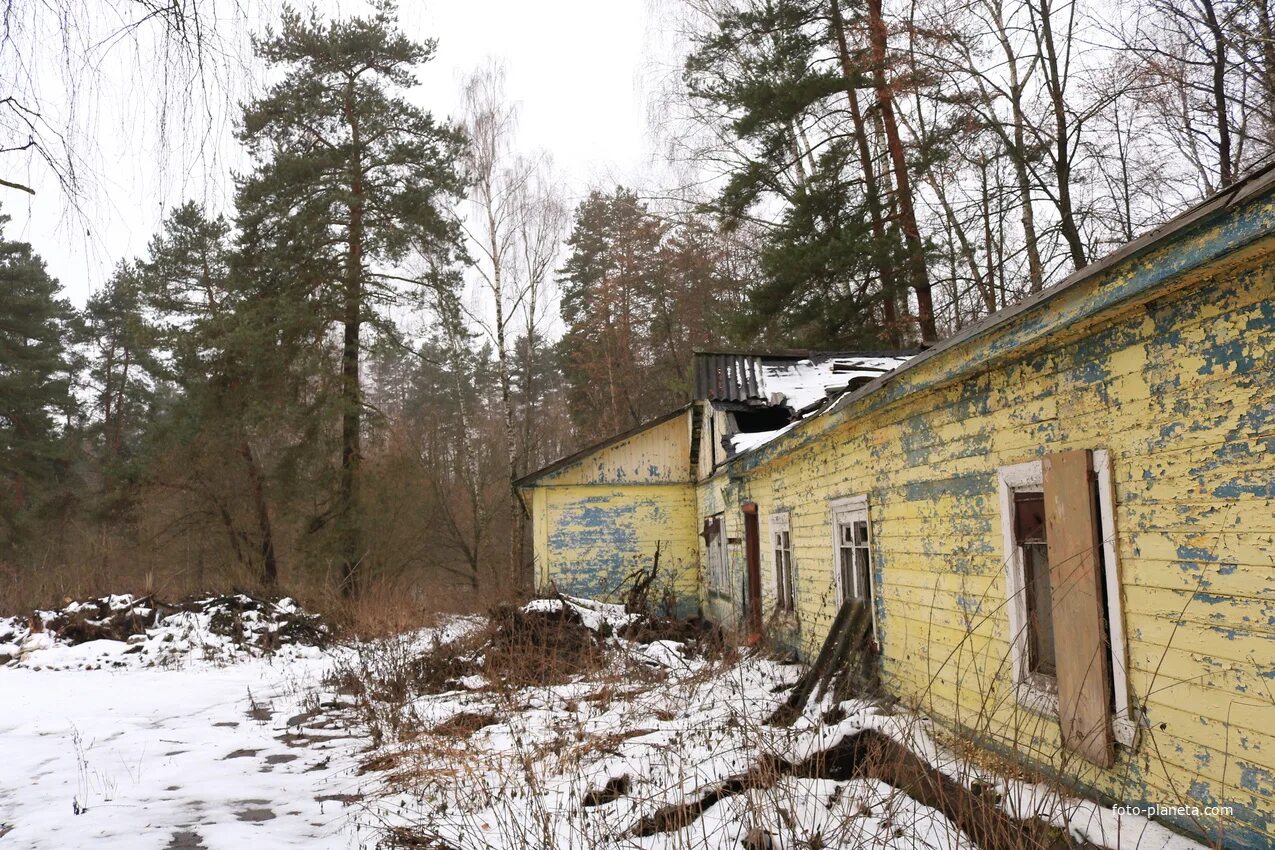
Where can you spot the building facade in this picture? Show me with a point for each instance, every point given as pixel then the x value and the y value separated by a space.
pixel 1062 519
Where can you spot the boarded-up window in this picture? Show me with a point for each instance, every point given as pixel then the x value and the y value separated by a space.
pixel 1064 603
pixel 1075 569
pixel 785 597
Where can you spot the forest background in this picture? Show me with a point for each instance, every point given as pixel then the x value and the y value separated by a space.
pixel 329 386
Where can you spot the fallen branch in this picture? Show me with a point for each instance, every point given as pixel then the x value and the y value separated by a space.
pixel 871 755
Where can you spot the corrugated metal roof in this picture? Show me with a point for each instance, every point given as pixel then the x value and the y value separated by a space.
pixel 728 377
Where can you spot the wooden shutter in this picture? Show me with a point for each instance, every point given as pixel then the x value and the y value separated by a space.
pixel 1072 529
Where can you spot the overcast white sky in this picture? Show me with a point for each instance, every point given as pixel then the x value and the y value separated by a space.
pixel 574 66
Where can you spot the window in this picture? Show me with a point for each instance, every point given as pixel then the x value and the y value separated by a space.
pixel 1032 550
pixel 785 598
pixel 1062 579
pixel 853 549
pixel 718 563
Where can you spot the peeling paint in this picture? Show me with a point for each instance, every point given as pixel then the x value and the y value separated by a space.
pixel 1181 392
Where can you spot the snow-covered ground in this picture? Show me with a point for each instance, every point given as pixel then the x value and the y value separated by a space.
pixel 193 758
pixel 663 749
pixel 196 754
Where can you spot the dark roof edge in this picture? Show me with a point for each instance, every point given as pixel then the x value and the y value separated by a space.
pixel 798 353
pixel 1253 185
pixel 532 477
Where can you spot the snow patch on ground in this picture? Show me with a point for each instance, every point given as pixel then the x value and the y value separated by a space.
pixel 213 756
pixel 586 763
pixel 218 629
pixel 595 616
pixel 206 757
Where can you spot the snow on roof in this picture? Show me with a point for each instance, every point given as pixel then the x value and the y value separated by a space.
pixel 806 384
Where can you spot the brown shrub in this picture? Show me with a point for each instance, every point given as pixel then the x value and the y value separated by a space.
pixel 540 647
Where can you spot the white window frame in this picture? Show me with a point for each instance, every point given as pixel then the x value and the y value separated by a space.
pixel 780 523
pixel 719 579
pixel 845 510
pixel 1029 476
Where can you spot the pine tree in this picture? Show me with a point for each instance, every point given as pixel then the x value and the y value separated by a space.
pixel 639 294
pixel 605 280
pixel 358 177
pixel 209 325
pixel 833 259
pixel 122 372
pixel 35 381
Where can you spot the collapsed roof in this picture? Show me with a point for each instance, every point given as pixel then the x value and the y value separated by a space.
pixel 769 392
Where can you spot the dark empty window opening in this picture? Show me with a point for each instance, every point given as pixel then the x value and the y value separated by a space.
pixel 1029 535
pixel 762 419
pixel 1106 610
pixel 860 381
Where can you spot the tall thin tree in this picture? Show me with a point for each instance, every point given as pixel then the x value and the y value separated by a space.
pixel 343 155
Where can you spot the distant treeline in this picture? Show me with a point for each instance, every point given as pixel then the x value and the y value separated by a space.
pixel 339 381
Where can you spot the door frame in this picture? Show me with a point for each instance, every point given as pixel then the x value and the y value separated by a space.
pixel 752 562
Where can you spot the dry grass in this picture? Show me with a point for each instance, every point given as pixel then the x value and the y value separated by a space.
pixel 873 789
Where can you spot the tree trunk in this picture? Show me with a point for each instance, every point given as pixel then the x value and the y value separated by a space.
pixel 269 564
pixel 351 543
pixel 511 437
pixel 1225 161
pixel 1266 36
pixel 903 184
pixel 1035 269
pixel 1062 154
pixel 870 187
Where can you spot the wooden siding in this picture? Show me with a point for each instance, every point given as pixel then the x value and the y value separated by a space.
pixel 1178 383
pixel 597 519
pixel 657 455
pixel 588 538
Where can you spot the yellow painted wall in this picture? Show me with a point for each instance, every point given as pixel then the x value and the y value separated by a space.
pixel 1181 391
pixel 659 454
pixel 590 537
pixel 598 519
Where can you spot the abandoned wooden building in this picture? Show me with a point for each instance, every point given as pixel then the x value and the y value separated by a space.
pixel 1062 518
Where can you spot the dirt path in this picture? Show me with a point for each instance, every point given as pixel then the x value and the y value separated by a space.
pixel 195 759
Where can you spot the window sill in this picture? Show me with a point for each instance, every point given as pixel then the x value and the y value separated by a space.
pixel 1038 699
pixel 1033 697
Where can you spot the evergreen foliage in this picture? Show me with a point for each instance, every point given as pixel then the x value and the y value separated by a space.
pixel 639 295
pixel 349 178
pixel 768 66
pixel 35 385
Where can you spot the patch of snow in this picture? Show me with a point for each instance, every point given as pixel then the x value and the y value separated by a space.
pixel 593 615
pixel 536 776
pixel 665 653
pixel 155 758
pixel 747 441
pixel 806 384
pixel 214 630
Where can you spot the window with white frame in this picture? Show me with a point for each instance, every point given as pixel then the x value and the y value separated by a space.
pixel 852 545
pixel 1035 587
pixel 718 562
pixel 1039 665
pixel 780 532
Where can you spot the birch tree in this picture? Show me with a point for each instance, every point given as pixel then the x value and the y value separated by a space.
pixel 514 227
